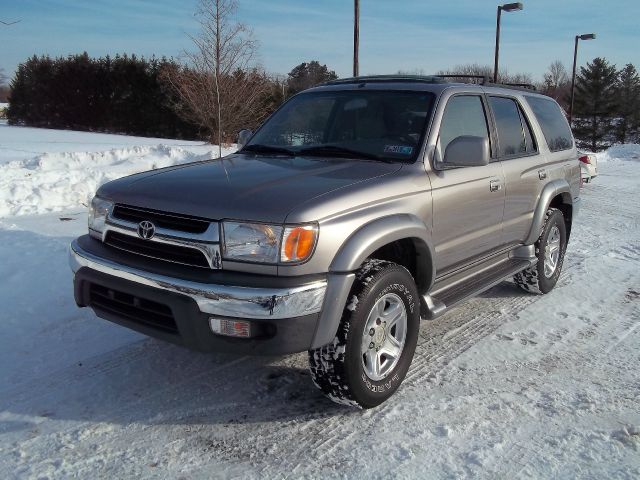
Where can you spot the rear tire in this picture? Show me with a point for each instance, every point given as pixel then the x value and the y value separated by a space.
pixel 373 348
pixel 550 249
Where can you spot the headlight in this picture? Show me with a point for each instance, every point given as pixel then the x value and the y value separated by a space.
pixel 261 243
pixel 252 242
pixel 97 216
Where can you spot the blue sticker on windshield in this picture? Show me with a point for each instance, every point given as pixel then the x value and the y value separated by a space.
pixel 398 149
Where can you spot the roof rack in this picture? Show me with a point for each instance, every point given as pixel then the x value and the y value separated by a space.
pixel 387 78
pixel 431 79
pixel 482 79
pixel 527 86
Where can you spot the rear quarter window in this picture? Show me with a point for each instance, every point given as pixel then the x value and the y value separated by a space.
pixel 552 122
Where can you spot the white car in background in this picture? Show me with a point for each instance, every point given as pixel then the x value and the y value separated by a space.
pixel 588 166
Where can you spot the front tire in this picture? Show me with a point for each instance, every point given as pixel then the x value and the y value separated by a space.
pixel 550 249
pixel 373 348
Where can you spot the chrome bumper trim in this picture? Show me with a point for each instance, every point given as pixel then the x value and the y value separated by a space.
pixel 223 300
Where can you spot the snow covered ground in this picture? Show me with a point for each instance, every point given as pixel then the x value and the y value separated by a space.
pixel 508 385
pixel 44 170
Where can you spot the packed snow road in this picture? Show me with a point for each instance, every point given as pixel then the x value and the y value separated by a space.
pixel 508 385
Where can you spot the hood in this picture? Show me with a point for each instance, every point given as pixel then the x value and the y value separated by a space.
pixel 241 186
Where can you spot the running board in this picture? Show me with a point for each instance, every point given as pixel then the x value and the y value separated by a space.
pixel 441 299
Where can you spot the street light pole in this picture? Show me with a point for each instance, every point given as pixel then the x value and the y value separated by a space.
pixel 586 36
pixel 356 36
pixel 507 7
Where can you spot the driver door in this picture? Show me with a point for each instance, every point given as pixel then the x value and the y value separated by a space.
pixel 468 202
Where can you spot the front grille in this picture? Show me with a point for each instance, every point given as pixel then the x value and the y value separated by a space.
pixel 136 309
pixel 161 251
pixel 169 221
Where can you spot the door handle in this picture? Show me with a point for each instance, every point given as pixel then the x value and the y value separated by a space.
pixel 542 174
pixel 495 185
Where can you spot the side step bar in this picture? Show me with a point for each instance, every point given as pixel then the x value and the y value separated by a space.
pixel 441 299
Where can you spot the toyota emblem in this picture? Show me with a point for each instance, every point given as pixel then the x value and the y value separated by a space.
pixel 146 230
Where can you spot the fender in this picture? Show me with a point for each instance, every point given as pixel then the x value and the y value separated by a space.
pixel 549 192
pixel 370 237
pixel 355 250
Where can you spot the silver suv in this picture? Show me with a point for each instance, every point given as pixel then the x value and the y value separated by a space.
pixel 355 210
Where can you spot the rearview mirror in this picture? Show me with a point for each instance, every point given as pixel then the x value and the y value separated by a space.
pixel 243 137
pixel 467 151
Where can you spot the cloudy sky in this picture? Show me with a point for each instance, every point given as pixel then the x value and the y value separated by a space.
pixel 409 35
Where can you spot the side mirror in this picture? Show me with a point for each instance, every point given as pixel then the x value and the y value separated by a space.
pixel 467 151
pixel 243 137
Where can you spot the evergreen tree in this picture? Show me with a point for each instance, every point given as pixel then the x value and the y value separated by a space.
pixel 595 104
pixel 123 94
pixel 627 127
pixel 307 75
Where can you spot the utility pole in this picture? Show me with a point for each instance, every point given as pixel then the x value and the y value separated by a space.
pixel 356 36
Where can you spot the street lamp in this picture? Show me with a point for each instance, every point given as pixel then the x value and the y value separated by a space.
pixel 586 36
pixel 356 36
pixel 507 7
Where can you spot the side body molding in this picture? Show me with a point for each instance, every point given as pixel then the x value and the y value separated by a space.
pixel 370 237
pixel 549 192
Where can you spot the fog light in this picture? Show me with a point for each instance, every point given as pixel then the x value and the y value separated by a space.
pixel 230 328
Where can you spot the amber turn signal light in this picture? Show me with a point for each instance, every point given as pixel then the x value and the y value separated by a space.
pixel 298 243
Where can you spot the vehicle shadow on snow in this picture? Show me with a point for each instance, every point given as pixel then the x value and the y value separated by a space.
pixel 151 382
pixel 146 381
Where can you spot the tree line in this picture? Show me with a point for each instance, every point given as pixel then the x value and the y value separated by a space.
pixel 134 95
pixel 217 89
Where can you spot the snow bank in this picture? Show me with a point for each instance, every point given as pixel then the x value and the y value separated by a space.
pixel 56 179
pixel 620 152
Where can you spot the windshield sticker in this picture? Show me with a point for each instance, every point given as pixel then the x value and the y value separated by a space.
pixel 398 149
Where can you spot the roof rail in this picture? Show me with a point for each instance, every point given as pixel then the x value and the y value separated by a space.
pixel 387 78
pixel 482 79
pixel 527 86
pixel 431 79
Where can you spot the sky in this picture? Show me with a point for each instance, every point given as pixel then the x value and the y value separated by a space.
pixel 409 35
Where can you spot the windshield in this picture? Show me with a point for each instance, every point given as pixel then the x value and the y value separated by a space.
pixel 378 125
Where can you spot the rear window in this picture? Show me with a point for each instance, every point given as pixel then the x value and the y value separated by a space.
pixel 553 123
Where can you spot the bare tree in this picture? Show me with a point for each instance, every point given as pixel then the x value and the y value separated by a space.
pixel 220 88
pixel 557 83
pixel 485 71
pixel 556 75
pixel 4 86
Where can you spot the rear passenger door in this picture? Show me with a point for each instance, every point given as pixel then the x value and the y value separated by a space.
pixel 468 202
pixel 522 163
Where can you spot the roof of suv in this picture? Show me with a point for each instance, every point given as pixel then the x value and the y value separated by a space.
pixel 432 83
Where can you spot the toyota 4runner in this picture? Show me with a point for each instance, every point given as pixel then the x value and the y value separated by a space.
pixel 358 208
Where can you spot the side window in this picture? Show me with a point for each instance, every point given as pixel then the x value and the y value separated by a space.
pixel 463 115
pixel 553 123
pixel 511 135
pixel 532 146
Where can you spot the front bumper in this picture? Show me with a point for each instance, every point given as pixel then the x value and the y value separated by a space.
pixel 285 318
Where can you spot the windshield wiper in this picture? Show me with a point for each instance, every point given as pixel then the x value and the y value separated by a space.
pixel 259 148
pixel 335 150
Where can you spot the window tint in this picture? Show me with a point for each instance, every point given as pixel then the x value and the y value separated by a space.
pixel 511 137
pixel 464 115
pixel 384 124
pixel 554 126
pixel 532 147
